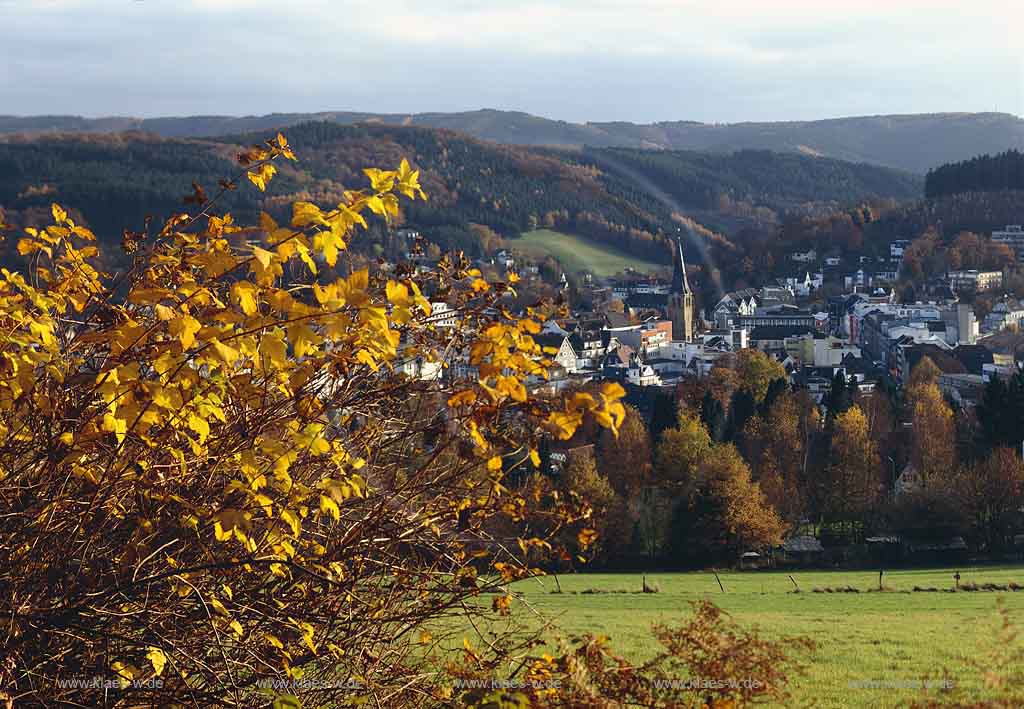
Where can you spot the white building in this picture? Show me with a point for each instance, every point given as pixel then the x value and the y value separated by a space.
pixel 897 247
pixel 442 315
pixel 975 280
pixel 1005 313
pixel 640 374
pixel 1012 236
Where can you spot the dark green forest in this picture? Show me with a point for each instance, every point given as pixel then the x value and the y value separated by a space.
pixel 985 173
pixel 760 178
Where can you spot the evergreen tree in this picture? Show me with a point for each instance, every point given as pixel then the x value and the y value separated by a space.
pixel 1001 414
pixel 776 388
pixel 664 415
pixel 712 414
pixel 741 409
pixel 838 399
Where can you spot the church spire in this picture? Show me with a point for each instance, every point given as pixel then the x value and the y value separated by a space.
pixel 680 284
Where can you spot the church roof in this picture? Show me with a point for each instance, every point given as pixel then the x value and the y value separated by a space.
pixel 680 284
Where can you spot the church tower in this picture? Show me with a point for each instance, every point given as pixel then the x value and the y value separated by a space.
pixel 680 299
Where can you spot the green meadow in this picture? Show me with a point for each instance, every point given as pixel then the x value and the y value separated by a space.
pixel 896 638
pixel 578 254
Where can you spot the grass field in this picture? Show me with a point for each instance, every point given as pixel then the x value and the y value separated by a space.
pixel 578 254
pixel 896 638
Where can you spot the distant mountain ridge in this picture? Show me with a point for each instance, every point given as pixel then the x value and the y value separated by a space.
pixel 915 142
pixel 630 199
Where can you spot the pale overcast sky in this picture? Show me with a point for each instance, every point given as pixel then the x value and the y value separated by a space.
pixel 635 60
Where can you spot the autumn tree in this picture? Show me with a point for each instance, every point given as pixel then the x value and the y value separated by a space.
pixel 933 441
pixel 852 480
pixel 608 510
pixel 235 461
pixel 778 446
pixel 755 372
pixel 680 452
pixel 625 460
pixel 724 512
pixel 991 492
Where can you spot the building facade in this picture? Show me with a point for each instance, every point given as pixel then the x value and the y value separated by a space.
pixel 1012 236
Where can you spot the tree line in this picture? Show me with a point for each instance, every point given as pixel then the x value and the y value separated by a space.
pixel 741 460
pixel 985 173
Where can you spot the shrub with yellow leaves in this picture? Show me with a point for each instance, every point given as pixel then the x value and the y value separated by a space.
pixel 216 469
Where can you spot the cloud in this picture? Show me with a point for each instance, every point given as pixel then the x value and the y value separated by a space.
pixel 577 60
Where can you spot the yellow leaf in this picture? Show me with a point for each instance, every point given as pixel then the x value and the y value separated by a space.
pixel 200 426
pixel 264 502
pixel 306 213
pixel 224 353
pixel 59 215
pixel 303 339
pixel 291 520
pixel 462 398
pixel 306 258
pixel 167 397
pixel 380 180
pixel 244 294
pixel 494 463
pixel 264 257
pixel 273 350
pixel 163 312
pixel 586 537
pixel 329 506
pixel 158 658
pixel 114 425
pixel 185 329
pixel 27 246
pixel 535 457
pixel 397 293
pixel 612 390
pixel 125 673
pixel 219 607
pixel 261 176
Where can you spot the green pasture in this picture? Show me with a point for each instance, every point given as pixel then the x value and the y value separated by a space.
pixel 578 254
pixel 897 637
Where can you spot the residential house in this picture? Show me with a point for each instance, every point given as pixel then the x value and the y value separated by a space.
pixel 564 355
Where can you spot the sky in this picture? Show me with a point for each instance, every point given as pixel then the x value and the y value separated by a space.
pixel 575 60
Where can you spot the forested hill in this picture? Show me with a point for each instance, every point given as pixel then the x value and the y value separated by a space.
pixel 760 178
pixel 985 173
pixel 605 195
pixel 915 143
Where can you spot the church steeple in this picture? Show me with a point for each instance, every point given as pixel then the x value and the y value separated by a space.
pixel 680 298
pixel 680 284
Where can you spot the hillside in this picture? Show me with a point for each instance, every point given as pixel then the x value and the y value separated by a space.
pixel 985 173
pixel 757 178
pixel 627 199
pixel 576 254
pixel 915 143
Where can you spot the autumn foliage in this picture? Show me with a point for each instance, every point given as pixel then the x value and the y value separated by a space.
pixel 216 468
